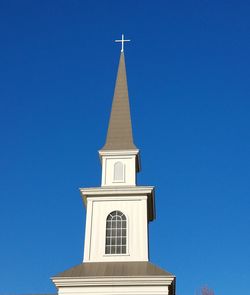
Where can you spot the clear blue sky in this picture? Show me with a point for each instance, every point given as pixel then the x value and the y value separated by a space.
pixel 188 69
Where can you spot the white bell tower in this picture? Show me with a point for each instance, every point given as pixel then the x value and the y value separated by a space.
pixel 116 254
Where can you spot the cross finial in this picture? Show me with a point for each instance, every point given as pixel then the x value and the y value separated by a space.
pixel 122 41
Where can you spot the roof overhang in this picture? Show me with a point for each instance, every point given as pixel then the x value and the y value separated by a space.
pixel 136 273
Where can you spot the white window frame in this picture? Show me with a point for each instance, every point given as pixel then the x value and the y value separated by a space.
pixel 127 241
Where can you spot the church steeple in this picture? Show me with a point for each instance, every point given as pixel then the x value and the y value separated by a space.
pixel 119 156
pixel 120 135
pixel 116 254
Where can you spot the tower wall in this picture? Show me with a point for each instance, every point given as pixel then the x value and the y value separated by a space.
pixel 135 210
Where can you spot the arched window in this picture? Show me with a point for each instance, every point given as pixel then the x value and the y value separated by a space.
pixel 118 171
pixel 116 233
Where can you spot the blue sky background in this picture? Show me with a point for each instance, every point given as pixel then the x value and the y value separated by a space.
pixel 188 69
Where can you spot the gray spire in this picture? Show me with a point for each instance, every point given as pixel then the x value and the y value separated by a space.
pixel 119 136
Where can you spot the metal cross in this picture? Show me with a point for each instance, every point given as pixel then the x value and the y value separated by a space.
pixel 122 41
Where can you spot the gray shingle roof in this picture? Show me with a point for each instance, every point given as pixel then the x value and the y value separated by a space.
pixel 114 269
pixel 119 136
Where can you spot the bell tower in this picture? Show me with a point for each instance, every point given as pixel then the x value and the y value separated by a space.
pixel 116 254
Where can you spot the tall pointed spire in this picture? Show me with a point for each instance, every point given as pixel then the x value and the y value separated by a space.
pixel 119 136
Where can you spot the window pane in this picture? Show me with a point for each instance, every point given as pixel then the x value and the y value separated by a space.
pixel 113 249
pixel 123 249
pixel 118 250
pixel 107 241
pixel 107 250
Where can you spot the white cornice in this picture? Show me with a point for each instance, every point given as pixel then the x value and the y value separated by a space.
pixel 112 281
pixel 118 152
pixel 114 190
pixel 121 191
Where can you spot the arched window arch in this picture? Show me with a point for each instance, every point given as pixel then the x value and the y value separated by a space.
pixel 118 171
pixel 116 233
